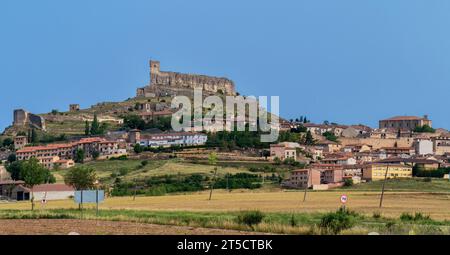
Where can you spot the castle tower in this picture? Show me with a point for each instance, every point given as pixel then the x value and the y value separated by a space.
pixel 154 70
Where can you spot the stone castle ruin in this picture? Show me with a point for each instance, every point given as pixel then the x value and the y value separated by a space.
pixel 164 83
pixel 23 118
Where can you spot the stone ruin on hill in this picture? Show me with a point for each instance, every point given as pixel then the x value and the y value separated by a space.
pixel 23 118
pixel 164 83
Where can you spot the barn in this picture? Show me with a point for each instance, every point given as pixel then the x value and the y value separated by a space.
pixel 43 192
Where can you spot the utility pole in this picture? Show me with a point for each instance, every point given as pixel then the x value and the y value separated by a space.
pixel 382 187
pixel 306 186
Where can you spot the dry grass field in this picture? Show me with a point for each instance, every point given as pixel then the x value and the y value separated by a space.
pixel 154 168
pixel 437 205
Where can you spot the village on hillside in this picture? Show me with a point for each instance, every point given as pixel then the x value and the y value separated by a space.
pixel 317 156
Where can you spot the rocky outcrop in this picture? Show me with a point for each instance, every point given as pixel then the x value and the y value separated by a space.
pixel 172 83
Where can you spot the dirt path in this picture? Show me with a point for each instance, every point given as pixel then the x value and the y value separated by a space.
pixel 92 227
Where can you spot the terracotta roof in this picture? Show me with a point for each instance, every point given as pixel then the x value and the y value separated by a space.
pixel 61 145
pixel 398 118
pixel 408 160
pixel 52 187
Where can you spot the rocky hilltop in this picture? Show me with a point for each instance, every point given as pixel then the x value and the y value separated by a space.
pixel 153 98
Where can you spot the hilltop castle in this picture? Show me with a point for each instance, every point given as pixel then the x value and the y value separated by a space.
pixel 164 83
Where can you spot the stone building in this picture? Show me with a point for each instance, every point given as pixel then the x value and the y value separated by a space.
pixel 303 178
pixel 20 142
pixel 74 107
pixel 405 122
pixel 441 144
pixel 283 151
pixel 23 118
pixel 164 83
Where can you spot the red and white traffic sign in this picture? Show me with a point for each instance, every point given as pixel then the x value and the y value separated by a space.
pixel 344 199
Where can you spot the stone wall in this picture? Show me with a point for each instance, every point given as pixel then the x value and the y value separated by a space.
pixel 20 117
pixel 377 143
pixel 24 118
pixel 164 83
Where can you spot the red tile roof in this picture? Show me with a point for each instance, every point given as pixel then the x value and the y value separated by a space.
pixel 399 118
pixel 52 187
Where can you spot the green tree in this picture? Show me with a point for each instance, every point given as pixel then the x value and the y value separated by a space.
pixel 87 129
pixel 424 129
pixel 21 133
pixel 79 156
pixel 7 142
pixel 309 140
pixel 33 173
pixel 138 148
pixel 81 178
pixel 12 158
pixel 95 154
pixel 14 169
pixel 34 136
pixel 95 126
pixel 133 121
pixel 330 136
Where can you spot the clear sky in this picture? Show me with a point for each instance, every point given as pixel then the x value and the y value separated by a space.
pixel 347 61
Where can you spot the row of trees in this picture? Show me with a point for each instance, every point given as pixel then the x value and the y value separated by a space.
pixel 235 140
pixel 302 119
pixel 424 129
pixel 133 121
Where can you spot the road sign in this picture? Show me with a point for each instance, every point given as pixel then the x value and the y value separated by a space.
pixel 344 199
pixel 89 196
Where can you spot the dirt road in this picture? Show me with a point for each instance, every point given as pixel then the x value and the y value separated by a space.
pixel 92 227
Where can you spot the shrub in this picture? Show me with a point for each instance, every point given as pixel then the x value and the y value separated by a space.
pixel 144 163
pixel 348 182
pixel 406 217
pixel 123 171
pixel 416 217
pixel 123 157
pixel 335 222
pixel 293 221
pixel 376 215
pixel 277 161
pixel 250 218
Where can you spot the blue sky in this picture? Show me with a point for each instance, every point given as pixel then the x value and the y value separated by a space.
pixel 343 61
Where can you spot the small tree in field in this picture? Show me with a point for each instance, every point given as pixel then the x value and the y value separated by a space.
pixel 33 173
pixel 81 178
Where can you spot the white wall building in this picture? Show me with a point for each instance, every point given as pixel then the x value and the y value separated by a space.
pixel 423 147
pixel 173 139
